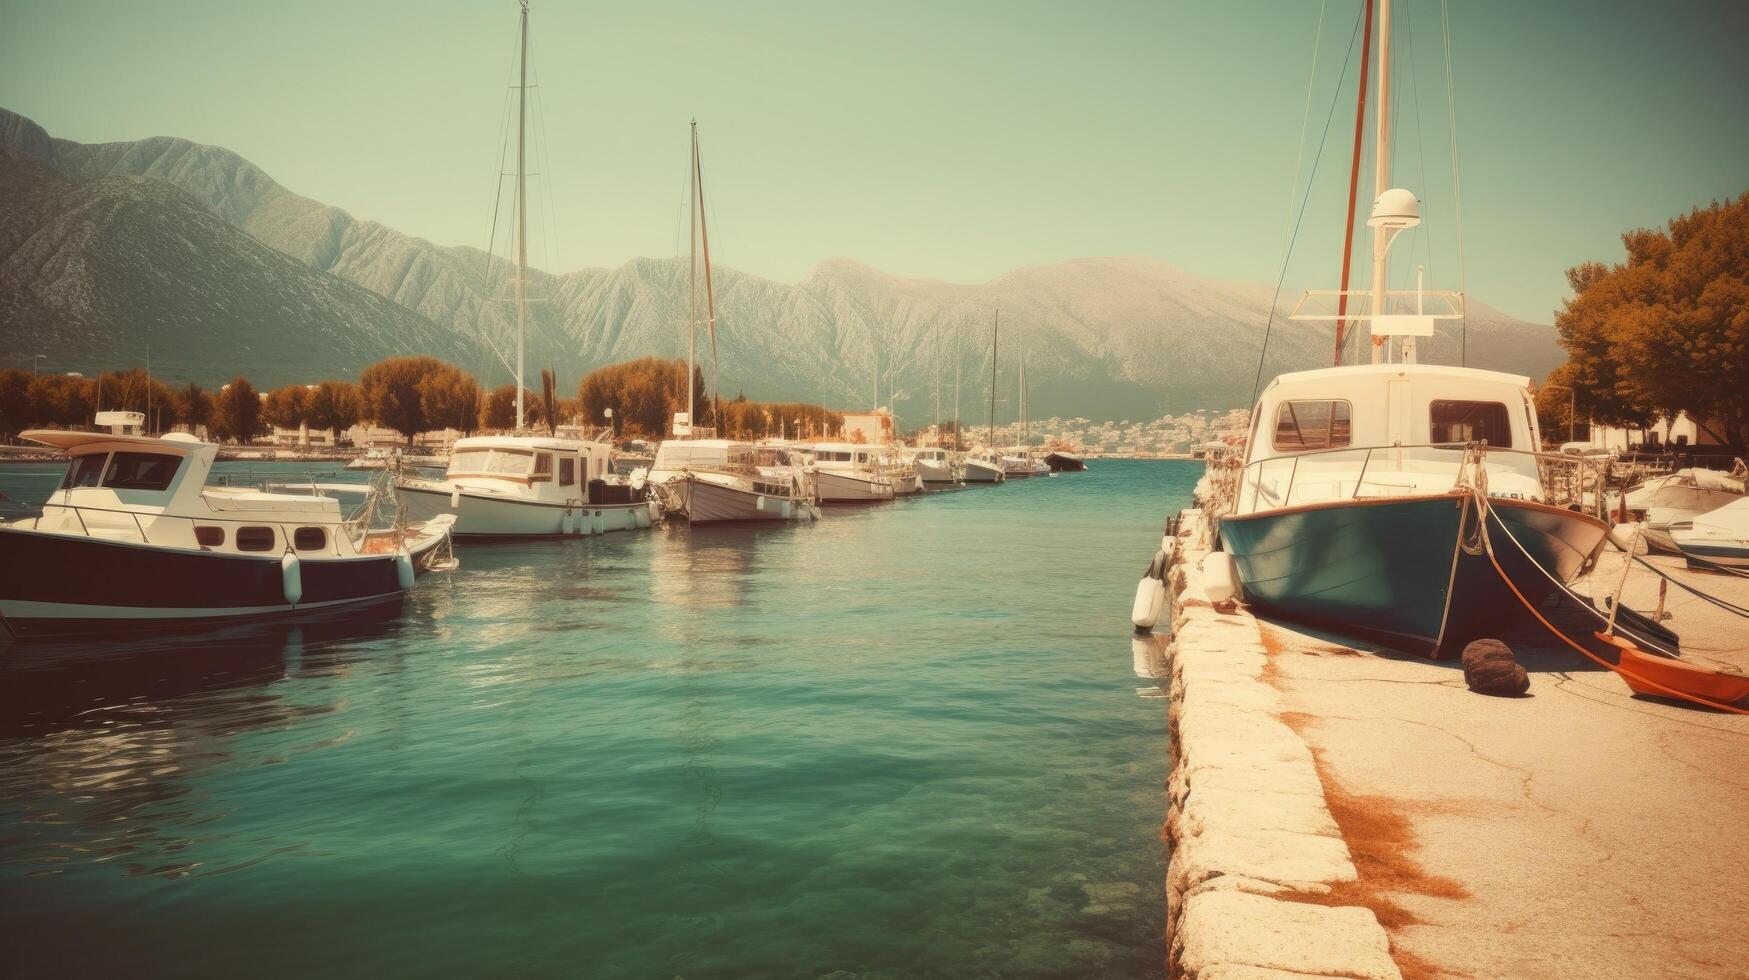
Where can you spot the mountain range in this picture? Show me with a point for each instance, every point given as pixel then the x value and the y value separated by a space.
pixel 108 249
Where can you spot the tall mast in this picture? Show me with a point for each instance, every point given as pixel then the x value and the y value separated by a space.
pixel 1353 184
pixel 995 331
pixel 1025 430
pixel 1381 236
pixel 938 402
pixel 692 287
pixel 957 358
pixel 710 294
pixel 521 211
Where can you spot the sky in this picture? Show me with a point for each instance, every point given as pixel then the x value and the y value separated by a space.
pixel 955 140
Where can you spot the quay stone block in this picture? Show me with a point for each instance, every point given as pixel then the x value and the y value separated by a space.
pixel 1236 929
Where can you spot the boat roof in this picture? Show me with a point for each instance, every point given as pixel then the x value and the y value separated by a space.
pixel 838 446
pixel 1426 370
pixel 708 443
pixel 518 442
pixel 74 443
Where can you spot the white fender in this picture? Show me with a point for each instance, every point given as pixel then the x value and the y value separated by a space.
pixel 1150 601
pixel 291 577
pixel 784 509
pixel 455 499
pixel 759 503
pixel 1220 577
pixel 404 569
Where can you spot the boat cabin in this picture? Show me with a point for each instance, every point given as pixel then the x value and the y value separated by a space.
pixel 845 456
pixel 153 491
pixel 537 467
pixel 1379 430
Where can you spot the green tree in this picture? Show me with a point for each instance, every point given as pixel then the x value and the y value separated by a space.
pixel 1667 331
pixel 238 417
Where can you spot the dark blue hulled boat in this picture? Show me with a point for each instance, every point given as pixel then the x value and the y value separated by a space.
pixel 134 540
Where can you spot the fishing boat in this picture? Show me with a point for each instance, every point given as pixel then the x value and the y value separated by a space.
pixel 1360 499
pixel 850 473
pixel 982 466
pixel 135 540
pixel 530 486
pixel 705 479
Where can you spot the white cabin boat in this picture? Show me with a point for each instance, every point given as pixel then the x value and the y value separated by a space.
pixel 713 480
pixel 530 486
pixel 135 540
pixel 982 466
pixel 933 464
pixel 849 472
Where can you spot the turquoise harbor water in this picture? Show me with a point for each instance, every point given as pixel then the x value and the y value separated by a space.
pixel 904 741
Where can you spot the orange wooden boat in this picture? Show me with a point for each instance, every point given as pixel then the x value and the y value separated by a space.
pixel 1658 676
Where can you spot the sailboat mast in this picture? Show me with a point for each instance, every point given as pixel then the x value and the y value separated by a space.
pixel 956 389
pixel 692 286
pixel 995 331
pixel 710 293
pixel 1353 185
pixel 521 212
pixel 938 401
pixel 1381 183
pixel 1025 429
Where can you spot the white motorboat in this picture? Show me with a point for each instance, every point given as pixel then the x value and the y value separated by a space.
pixel 933 464
pixel 1019 464
pixel 712 480
pixel 530 486
pixel 982 466
pixel 1672 502
pixel 134 540
pixel 1719 537
pixel 848 472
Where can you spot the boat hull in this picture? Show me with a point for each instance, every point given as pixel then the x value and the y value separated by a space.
pixel 65 585
pixel 980 472
pixel 1397 569
pixel 1065 463
pixel 848 488
pixel 935 472
pixel 493 516
pixel 704 502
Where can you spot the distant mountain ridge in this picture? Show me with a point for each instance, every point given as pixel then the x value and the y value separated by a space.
pixel 1104 337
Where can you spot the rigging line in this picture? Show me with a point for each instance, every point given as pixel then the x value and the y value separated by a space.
pixel 1424 230
pixel 1310 180
pixel 1305 117
pixel 486 343
pixel 1457 186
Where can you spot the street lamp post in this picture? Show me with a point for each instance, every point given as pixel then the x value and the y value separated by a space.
pixel 33 359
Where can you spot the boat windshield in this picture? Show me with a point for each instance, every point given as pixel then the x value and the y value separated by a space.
pixel 141 471
pixel 490 462
pixel 85 471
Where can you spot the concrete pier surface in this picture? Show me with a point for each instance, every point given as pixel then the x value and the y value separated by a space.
pixel 1364 814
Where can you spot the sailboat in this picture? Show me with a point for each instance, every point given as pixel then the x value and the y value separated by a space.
pixel 705 479
pixel 985 465
pixel 1396 499
pixel 1018 462
pixel 526 485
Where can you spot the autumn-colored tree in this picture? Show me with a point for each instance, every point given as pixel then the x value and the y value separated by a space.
pixel 62 400
pixel 334 406
pixel 195 407
pixel 133 390
pixel 287 407
pixel 1667 331
pixel 644 395
pixel 415 394
pixel 14 402
pixel 239 412
pixel 500 410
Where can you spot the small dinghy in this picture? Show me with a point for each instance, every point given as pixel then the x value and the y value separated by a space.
pixel 1664 676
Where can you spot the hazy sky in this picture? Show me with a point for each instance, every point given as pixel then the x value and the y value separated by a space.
pixel 942 139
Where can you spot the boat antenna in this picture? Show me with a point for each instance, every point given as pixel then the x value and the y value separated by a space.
pixel 1381 234
pixel 521 213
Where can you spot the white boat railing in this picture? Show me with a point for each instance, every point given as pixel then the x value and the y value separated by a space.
pixel 351 529
pixel 1352 473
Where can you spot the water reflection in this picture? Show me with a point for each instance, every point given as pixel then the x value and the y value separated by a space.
pixel 100 748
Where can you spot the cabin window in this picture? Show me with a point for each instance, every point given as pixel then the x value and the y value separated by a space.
pixel 209 536
pixel 543 468
pixel 1460 422
pixel 567 472
pixel 141 471
pixel 310 539
pixel 86 471
pixel 255 539
pixel 1307 425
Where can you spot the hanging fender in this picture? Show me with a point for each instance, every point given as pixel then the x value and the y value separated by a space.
pixel 291 577
pixel 404 569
